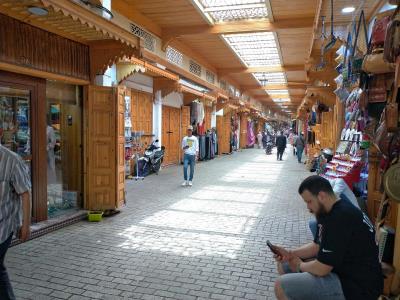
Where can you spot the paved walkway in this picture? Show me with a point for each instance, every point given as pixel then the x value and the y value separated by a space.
pixel 204 242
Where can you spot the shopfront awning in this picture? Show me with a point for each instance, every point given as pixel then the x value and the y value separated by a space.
pixel 127 67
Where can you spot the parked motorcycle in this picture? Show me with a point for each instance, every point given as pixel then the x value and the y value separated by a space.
pixel 152 159
pixel 268 148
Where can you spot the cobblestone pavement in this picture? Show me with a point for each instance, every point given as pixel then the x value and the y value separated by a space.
pixel 170 242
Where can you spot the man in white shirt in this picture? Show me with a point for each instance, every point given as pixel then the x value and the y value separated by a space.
pixel 190 146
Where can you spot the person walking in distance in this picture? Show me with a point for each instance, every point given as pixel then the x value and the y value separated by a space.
pixel 280 145
pixel 15 210
pixel 190 146
pixel 300 143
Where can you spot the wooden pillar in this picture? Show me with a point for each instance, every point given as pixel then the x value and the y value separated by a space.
pixel 396 259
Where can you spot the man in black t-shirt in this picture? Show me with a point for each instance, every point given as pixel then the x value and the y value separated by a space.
pixel 345 261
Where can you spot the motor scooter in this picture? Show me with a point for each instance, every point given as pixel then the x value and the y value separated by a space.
pixel 151 161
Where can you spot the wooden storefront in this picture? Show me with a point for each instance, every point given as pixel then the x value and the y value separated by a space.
pixel 48 65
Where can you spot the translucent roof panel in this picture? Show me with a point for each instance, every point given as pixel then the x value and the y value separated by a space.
pixel 270 78
pixel 233 10
pixel 255 49
pixel 277 92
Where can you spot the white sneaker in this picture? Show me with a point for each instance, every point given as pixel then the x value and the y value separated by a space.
pixel 190 183
pixel 185 183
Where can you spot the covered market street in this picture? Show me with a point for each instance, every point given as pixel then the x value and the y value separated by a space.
pixel 170 242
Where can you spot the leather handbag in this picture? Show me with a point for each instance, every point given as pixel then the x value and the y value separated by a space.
pixel 379 31
pixel 392 111
pixel 374 63
pixel 377 91
pixel 392 40
pixel 360 46
pixel 392 116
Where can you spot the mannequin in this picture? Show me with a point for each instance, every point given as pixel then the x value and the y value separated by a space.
pixel 51 160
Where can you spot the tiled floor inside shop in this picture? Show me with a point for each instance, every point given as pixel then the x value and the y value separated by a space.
pixel 170 242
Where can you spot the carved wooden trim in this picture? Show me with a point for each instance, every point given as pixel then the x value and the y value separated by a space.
pixel 92 20
pixel 104 54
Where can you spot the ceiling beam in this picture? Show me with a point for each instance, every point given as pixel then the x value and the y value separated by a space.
pixel 240 27
pixel 267 69
pixel 315 26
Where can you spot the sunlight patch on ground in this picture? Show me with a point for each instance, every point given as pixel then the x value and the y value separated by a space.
pixel 184 243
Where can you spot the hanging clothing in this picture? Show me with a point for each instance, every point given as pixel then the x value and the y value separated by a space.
pixel 251 139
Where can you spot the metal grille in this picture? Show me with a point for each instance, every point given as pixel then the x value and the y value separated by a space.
pixel 174 56
pixel 210 77
pixel 149 40
pixel 195 68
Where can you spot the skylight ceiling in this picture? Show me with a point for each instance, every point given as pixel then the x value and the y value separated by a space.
pixel 271 78
pixel 255 49
pixel 233 10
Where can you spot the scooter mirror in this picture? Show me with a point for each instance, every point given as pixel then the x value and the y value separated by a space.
pixel 156 141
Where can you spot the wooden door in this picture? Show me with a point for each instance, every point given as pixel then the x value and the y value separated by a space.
pixel 103 148
pixel 120 146
pixel 208 113
pixel 142 115
pixel 243 131
pixel 227 133
pixel 171 133
pixel 165 133
pixel 175 129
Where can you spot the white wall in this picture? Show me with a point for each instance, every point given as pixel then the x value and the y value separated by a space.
pixel 109 78
pixel 174 100
pixel 139 82
pixel 157 117
pixel 214 117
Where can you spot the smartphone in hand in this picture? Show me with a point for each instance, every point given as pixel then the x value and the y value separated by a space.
pixel 274 249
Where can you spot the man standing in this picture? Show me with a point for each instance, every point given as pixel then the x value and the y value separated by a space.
pixel 300 143
pixel 344 254
pixel 15 210
pixel 280 145
pixel 190 146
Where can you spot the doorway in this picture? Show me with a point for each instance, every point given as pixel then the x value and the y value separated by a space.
pixel 171 119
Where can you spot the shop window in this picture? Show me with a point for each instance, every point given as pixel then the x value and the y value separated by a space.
pixel 64 151
pixel 222 84
pixel 15 122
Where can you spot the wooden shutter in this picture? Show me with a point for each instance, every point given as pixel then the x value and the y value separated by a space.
pixel 100 148
pixel 120 146
pixel 175 129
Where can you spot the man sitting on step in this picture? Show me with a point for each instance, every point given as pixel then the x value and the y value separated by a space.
pixel 344 256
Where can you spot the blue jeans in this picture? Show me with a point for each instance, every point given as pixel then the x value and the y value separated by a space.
pixel 6 291
pixel 305 286
pixel 188 160
pixel 299 153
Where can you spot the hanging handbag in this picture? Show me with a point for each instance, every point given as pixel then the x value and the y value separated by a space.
pixel 374 63
pixel 392 40
pixel 359 49
pixel 379 31
pixel 392 111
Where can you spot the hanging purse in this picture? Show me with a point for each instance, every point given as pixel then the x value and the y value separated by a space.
pixel 359 49
pixel 379 31
pixel 392 111
pixel 392 40
pixel 374 63
pixel 377 91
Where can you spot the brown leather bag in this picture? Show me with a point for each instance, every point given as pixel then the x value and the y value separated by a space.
pixel 392 39
pixel 377 91
pixel 392 117
pixel 374 63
